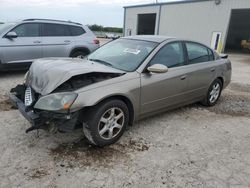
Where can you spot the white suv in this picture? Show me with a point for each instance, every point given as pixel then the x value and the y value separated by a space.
pixel 22 42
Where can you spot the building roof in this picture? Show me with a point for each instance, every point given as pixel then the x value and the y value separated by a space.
pixel 166 3
pixel 151 38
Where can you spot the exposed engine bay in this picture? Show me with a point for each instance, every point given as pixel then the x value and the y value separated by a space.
pixel 79 81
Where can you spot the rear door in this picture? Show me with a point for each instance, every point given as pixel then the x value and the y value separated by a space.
pixel 26 47
pixel 163 90
pixel 201 67
pixel 56 39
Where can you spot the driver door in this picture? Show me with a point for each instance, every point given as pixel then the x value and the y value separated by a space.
pixel 163 90
pixel 25 47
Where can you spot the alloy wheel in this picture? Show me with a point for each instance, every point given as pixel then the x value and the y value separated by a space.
pixel 214 93
pixel 111 123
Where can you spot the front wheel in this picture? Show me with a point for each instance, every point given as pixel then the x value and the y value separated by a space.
pixel 213 93
pixel 106 122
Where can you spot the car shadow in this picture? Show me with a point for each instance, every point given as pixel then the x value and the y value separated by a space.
pixel 12 73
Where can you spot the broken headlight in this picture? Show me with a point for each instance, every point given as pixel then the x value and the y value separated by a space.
pixel 56 101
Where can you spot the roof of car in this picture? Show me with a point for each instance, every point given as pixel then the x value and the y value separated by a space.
pixel 151 38
pixel 51 21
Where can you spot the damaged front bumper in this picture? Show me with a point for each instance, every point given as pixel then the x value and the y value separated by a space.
pixel 47 120
pixel 29 115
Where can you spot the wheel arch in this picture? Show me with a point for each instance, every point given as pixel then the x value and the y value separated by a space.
pixel 221 79
pixel 81 49
pixel 123 98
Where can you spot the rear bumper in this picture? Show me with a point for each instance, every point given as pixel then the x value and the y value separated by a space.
pixel 45 120
pixel 227 74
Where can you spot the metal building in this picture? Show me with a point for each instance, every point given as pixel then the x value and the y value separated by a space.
pixel 221 24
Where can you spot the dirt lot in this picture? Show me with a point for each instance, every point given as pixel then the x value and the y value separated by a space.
pixel 188 147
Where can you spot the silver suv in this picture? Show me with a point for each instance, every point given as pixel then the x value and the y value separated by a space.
pixel 22 42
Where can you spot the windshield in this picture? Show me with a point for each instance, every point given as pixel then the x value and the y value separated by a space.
pixel 123 54
pixel 4 27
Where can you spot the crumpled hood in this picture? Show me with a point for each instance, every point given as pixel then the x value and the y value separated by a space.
pixel 46 74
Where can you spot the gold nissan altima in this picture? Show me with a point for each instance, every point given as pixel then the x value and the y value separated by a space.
pixel 119 83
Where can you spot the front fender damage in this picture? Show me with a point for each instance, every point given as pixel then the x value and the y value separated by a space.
pixel 65 121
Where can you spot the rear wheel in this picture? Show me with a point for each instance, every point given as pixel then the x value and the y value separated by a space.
pixel 106 122
pixel 213 93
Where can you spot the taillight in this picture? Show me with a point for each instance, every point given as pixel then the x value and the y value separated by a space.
pixel 96 41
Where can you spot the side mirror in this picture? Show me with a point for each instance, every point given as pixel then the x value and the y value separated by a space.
pixel 158 68
pixel 11 34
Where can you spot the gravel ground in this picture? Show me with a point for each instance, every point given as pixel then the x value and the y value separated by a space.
pixel 192 146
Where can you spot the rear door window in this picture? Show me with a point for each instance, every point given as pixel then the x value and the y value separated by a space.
pixel 198 53
pixel 55 30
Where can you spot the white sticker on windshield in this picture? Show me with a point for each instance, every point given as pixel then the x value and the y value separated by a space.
pixel 132 51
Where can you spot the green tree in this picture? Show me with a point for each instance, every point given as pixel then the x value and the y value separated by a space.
pixel 96 27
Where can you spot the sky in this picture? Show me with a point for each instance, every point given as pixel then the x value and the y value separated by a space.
pixel 102 12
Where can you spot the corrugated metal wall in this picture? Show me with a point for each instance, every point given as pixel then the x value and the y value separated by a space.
pixel 195 21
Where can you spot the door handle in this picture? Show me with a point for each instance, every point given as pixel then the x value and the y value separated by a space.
pixel 212 69
pixel 67 41
pixel 183 77
pixel 37 42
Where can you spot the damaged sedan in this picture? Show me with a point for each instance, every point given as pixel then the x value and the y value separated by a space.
pixel 121 82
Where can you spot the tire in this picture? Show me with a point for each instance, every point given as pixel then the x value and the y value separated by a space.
pixel 213 93
pixel 79 54
pixel 106 122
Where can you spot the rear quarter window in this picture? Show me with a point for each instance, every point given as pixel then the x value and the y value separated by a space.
pixel 76 31
pixel 211 55
pixel 198 53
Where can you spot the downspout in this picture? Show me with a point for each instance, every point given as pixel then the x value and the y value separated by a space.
pixel 159 20
pixel 124 19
